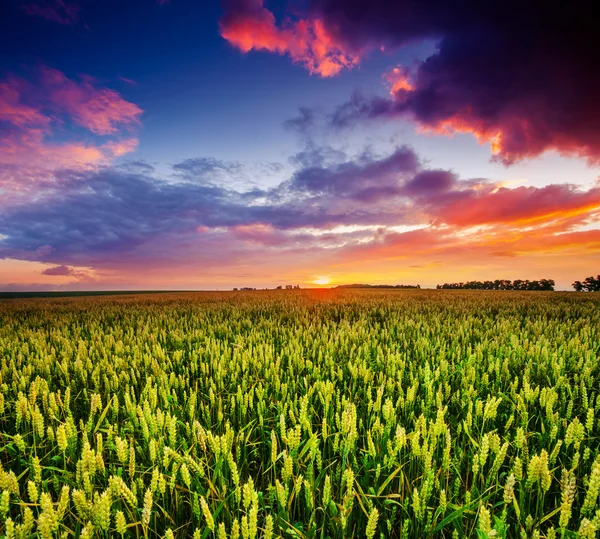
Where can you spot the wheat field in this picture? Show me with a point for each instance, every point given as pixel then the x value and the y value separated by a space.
pixel 301 414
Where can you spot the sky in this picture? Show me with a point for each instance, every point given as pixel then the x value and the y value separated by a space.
pixel 178 144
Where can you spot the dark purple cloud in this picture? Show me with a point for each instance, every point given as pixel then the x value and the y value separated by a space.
pixel 59 270
pixel 430 181
pixel 367 178
pixel 521 75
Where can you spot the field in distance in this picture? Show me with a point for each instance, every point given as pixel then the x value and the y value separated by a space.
pixel 301 414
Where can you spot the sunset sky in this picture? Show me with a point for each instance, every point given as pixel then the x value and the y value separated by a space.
pixel 187 144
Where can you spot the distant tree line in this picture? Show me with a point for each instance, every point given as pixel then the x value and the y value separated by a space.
pixel 501 284
pixel 591 284
pixel 413 286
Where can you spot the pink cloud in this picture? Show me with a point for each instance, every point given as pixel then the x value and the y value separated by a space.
pixel 13 111
pixel 122 147
pixel 31 113
pixel 101 110
pixel 248 25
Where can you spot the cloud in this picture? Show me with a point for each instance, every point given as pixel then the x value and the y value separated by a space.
pixel 68 271
pixel 59 11
pixel 430 181
pixel 120 220
pixel 137 167
pixel 491 252
pixel 519 206
pixel 100 110
pixel 248 25
pixel 121 147
pixel 367 178
pixel 302 123
pixel 208 168
pixel 34 111
pixel 59 270
pixel 523 79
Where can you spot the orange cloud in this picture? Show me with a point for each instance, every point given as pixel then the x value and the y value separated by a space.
pixel 511 253
pixel 306 41
pixel 398 80
pixel 520 206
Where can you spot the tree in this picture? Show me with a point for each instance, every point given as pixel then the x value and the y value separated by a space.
pixel 502 284
pixel 546 284
pixel 590 284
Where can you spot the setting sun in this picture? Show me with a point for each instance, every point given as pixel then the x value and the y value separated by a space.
pixel 322 280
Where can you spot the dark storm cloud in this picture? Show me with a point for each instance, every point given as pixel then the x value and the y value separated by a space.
pixel 521 75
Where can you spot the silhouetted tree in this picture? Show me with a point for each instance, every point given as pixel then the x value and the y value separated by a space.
pixel 501 284
pixel 590 284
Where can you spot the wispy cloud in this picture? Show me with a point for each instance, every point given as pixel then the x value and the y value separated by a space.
pixel 33 111
pixel 101 110
pixel 58 11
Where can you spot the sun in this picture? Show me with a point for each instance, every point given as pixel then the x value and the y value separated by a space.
pixel 322 279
